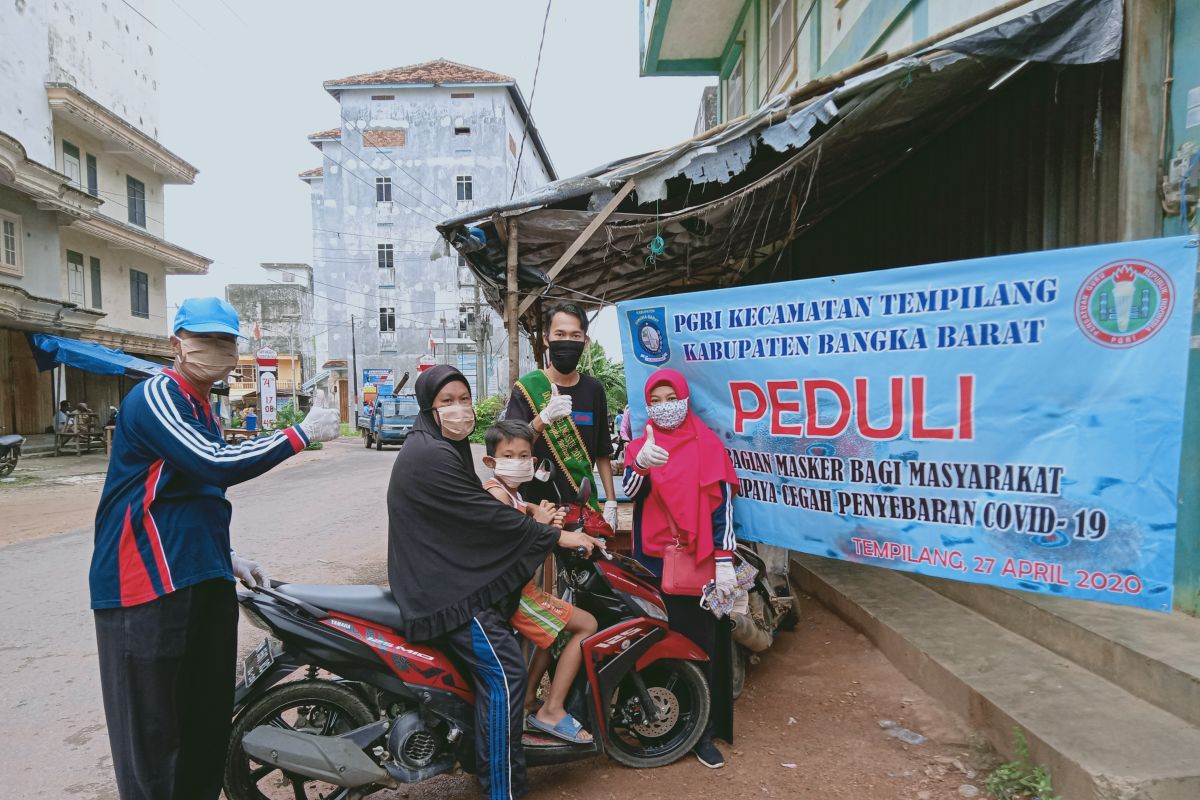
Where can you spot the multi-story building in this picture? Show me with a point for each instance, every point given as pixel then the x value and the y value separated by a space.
pixel 278 314
pixel 82 251
pixel 413 146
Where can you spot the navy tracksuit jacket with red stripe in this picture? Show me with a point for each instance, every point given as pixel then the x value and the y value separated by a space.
pixel 163 520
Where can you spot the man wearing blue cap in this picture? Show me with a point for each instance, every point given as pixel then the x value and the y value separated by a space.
pixel 162 575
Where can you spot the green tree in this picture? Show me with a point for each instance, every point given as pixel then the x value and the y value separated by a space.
pixel 486 411
pixel 595 362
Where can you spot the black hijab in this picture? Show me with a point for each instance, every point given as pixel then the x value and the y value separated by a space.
pixel 453 549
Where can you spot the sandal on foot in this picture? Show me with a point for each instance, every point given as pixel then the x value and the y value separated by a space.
pixel 568 729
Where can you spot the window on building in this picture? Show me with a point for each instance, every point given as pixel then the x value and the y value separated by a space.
pixel 462 260
pixel 10 243
pixel 462 95
pixel 462 131
pixel 383 190
pixel 735 89
pixel 135 192
pixel 139 294
pixel 462 184
pixel 381 104
pixel 385 256
pixel 387 319
pixel 71 162
pixel 780 34
pixel 75 277
pixel 97 299
pixel 93 176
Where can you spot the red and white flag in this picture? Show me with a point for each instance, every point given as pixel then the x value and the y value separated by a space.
pixel 432 343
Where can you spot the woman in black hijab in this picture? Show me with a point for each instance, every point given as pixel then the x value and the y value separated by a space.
pixel 457 560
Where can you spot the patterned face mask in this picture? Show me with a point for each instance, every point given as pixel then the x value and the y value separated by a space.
pixel 669 415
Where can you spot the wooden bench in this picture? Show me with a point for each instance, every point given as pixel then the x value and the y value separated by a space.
pixel 81 433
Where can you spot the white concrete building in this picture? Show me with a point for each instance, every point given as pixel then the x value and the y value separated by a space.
pixel 413 146
pixel 82 251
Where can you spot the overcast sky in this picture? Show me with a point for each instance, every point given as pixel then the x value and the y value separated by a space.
pixel 241 89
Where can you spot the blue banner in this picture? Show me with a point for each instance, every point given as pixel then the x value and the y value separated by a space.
pixel 1014 420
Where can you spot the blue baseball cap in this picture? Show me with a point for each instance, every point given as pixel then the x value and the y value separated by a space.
pixel 207 315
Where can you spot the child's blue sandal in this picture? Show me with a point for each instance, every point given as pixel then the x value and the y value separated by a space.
pixel 567 729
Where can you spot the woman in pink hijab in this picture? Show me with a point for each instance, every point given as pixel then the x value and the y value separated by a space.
pixel 682 483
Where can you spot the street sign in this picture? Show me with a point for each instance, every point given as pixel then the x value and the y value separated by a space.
pixel 266 394
pixel 266 357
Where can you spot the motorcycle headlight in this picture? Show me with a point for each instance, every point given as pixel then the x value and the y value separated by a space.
pixel 648 608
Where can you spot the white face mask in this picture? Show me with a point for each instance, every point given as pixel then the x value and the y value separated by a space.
pixel 514 471
pixel 457 422
pixel 669 415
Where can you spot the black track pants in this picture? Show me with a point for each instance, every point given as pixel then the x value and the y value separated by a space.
pixel 491 650
pixel 167 674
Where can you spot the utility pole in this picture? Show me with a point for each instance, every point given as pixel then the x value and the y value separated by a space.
pixel 477 333
pixel 354 370
pixel 510 307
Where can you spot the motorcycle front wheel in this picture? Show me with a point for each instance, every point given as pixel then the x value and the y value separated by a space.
pixel 310 706
pixel 8 462
pixel 681 692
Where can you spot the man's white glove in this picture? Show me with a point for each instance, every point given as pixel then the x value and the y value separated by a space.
pixel 249 572
pixel 557 408
pixel 322 425
pixel 610 513
pixel 726 579
pixel 651 455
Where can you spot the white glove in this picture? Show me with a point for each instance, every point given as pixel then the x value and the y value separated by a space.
pixel 610 513
pixel 249 572
pixel 651 455
pixel 558 407
pixel 726 579
pixel 322 425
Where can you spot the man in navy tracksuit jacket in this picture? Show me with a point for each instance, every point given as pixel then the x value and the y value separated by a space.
pixel 162 570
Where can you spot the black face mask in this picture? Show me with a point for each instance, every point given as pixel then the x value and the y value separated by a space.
pixel 564 355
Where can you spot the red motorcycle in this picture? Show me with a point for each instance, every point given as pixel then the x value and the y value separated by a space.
pixel 375 711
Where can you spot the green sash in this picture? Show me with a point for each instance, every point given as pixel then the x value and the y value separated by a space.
pixel 563 438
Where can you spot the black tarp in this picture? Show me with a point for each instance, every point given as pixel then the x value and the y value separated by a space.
pixel 1066 32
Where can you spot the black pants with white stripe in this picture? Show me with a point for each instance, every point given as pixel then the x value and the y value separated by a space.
pixel 493 654
pixel 167 675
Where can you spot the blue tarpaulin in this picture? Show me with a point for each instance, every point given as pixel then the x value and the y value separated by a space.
pixel 49 350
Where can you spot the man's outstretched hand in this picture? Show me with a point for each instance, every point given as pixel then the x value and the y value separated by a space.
pixel 322 425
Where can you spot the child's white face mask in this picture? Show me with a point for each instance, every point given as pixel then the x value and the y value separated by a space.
pixel 514 471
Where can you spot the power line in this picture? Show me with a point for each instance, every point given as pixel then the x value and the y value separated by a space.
pixel 532 91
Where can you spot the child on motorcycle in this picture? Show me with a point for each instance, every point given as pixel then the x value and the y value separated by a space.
pixel 541 617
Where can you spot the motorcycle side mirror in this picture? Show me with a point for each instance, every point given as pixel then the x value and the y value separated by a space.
pixel 585 492
pixel 544 470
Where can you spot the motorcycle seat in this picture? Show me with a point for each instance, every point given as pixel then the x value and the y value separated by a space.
pixel 369 602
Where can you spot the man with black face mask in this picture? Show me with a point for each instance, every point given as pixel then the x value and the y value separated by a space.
pixel 568 412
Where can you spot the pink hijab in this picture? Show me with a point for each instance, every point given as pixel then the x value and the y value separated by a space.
pixel 687 489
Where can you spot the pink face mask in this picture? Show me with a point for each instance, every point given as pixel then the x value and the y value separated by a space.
pixel 456 421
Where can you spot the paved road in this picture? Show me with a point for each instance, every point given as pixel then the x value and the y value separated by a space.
pixel 320 517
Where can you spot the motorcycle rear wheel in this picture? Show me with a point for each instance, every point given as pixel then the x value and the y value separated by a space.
pixel 681 690
pixel 311 706
pixel 8 462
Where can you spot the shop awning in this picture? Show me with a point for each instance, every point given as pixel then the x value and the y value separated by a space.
pixel 724 203
pixel 49 350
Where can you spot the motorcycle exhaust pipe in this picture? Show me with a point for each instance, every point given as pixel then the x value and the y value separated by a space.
pixel 749 635
pixel 333 759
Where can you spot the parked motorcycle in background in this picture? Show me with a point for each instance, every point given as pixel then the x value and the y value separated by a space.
pixel 772 609
pixel 10 452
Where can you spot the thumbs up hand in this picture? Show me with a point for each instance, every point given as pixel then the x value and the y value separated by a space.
pixel 559 406
pixel 651 455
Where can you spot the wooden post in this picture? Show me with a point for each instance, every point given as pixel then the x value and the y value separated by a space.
pixel 510 308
